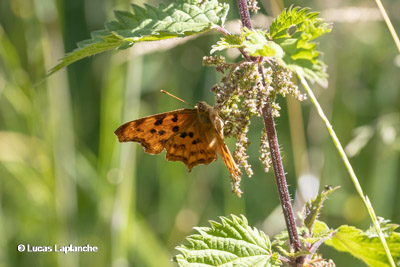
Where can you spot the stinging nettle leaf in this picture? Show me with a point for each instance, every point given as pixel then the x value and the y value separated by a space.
pixel 178 19
pixel 293 30
pixel 282 26
pixel 366 246
pixel 312 208
pixel 256 44
pixel 229 41
pixel 231 242
pixel 386 227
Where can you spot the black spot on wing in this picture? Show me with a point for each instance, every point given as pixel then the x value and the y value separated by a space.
pixel 191 134
pixel 175 118
pixel 163 141
pixel 178 146
pixel 175 129
pixel 161 132
pixel 153 131
pixel 196 141
pixel 139 122
pixel 183 135
pixel 159 120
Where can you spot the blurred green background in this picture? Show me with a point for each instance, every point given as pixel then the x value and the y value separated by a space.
pixel 64 178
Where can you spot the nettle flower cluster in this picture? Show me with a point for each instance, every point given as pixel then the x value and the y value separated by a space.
pixel 241 95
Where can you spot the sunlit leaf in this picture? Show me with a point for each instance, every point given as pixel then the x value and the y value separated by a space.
pixel 256 44
pixel 229 243
pixel 293 30
pixel 229 41
pixel 178 19
pixel 313 207
pixel 366 245
pixel 317 238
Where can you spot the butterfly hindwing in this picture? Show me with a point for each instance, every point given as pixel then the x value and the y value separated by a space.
pixel 192 147
pixel 227 158
pixel 153 132
pixel 217 129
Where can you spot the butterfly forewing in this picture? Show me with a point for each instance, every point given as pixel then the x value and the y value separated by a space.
pixel 153 132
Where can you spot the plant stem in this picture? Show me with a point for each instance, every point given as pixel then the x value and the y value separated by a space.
pixel 279 171
pixel 274 148
pixel 346 161
pixel 280 176
pixel 389 24
pixel 244 13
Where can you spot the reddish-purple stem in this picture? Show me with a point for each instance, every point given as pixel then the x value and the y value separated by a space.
pixel 274 148
pixel 279 171
pixel 244 13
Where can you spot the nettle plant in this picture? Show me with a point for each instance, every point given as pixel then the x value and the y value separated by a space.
pixel 249 88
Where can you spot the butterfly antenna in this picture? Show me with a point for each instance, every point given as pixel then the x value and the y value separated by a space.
pixel 168 93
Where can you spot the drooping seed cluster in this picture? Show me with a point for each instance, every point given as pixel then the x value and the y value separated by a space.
pixel 265 154
pixel 282 84
pixel 241 95
pixel 253 6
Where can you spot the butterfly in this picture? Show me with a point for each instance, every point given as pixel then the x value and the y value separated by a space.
pixel 193 136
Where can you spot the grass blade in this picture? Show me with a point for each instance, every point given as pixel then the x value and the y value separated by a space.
pixel 349 168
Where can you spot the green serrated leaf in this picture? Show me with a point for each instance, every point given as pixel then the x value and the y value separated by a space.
pixel 293 30
pixel 229 243
pixel 256 44
pixel 320 234
pixel 320 228
pixel 312 208
pixel 366 246
pixel 178 19
pixel 230 41
pixel 386 227
pixel 287 19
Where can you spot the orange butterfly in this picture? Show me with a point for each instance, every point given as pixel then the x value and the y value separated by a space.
pixel 192 136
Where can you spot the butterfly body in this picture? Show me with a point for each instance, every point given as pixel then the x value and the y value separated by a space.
pixel 193 136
